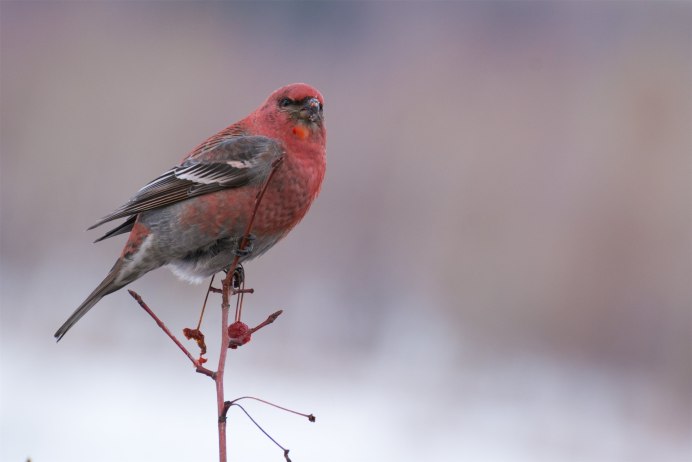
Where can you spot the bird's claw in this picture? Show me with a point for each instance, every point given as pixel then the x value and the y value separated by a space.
pixel 248 248
pixel 238 277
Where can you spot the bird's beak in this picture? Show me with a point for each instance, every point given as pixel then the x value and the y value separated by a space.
pixel 311 110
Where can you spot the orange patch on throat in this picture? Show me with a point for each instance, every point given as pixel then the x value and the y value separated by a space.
pixel 301 131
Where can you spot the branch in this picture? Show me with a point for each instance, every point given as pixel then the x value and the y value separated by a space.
pixel 225 307
pixel 198 366
pixel 261 429
pixel 241 334
pixel 227 290
pixel 310 417
pixel 270 319
pixel 248 228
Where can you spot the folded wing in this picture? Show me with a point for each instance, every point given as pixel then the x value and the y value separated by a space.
pixel 231 163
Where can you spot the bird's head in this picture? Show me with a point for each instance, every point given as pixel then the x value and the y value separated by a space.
pixel 297 110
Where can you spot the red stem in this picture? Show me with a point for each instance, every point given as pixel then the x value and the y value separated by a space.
pixel 225 307
pixel 198 366
pixel 220 371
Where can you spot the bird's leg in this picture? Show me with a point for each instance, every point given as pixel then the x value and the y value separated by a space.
pixel 238 284
pixel 238 277
pixel 237 281
pixel 246 245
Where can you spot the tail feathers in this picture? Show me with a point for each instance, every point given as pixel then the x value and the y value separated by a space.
pixel 107 286
pixel 125 227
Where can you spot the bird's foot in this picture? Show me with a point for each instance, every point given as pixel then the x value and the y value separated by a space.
pixel 238 277
pixel 247 249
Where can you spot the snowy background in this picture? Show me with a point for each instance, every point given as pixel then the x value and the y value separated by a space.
pixel 499 267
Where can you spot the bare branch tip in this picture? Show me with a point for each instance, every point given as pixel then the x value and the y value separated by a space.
pixel 273 316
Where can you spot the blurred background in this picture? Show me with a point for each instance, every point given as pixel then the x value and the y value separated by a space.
pixel 499 267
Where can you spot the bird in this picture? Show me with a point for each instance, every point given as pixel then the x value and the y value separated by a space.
pixel 192 218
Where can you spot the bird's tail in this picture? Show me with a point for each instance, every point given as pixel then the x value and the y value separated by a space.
pixel 107 286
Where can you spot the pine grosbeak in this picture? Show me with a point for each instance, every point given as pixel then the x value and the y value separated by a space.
pixel 192 217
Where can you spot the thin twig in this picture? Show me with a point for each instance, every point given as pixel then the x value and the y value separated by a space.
pixel 248 228
pixel 235 342
pixel 310 417
pixel 204 305
pixel 198 366
pixel 270 319
pixel 258 426
pixel 243 291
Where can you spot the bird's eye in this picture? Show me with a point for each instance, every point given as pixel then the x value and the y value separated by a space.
pixel 285 102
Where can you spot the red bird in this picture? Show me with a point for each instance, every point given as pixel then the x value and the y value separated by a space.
pixel 192 217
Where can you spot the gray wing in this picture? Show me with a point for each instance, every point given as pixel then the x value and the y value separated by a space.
pixel 232 163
